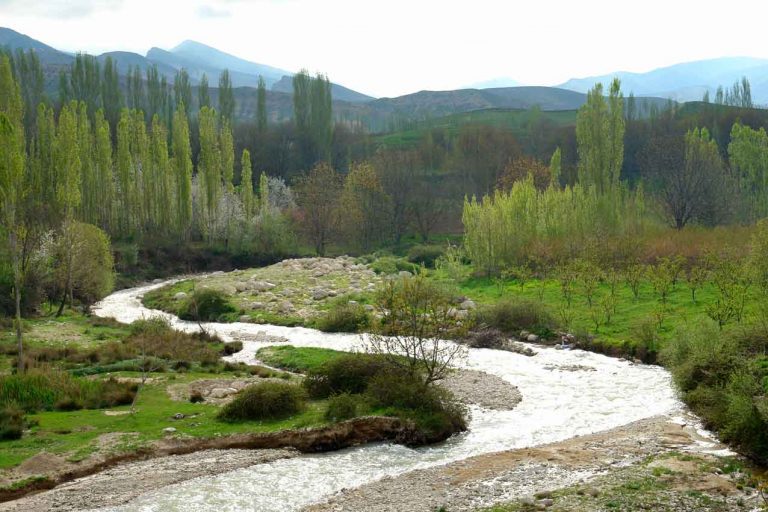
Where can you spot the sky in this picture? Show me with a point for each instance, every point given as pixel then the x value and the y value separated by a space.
pixel 394 47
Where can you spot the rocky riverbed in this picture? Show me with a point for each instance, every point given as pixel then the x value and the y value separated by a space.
pixel 673 460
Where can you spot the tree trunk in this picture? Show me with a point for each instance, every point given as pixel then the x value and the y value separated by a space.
pixel 17 284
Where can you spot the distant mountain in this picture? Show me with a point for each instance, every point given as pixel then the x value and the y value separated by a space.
pixel 14 40
pixel 338 92
pixel 205 55
pixel 494 83
pixel 687 81
pixel 126 60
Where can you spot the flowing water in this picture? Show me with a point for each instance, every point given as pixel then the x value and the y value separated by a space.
pixel 557 404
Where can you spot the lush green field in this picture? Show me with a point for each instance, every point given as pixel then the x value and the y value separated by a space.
pixel 516 121
pixel 297 359
pixel 625 323
pixel 75 435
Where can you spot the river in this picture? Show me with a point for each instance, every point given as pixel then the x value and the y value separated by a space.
pixel 558 403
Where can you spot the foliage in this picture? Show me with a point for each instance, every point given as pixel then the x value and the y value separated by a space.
pixel 43 390
pixel 342 407
pixel 344 317
pixel 11 423
pixel 348 373
pixel 418 318
pixel 206 305
pixel 297 359
pixel 514 315
pixel 426 255
pixel 265 401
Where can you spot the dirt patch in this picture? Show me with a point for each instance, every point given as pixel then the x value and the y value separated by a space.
pixel 42 463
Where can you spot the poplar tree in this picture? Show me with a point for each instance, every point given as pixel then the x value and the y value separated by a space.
pixel 88 183
pixel 209 167
pixel 321 122
pixel 227 156
pixel 12 189
pixel 162 209
pixel 261 105
pixel 182 171
pixel 555 169
pixel 302 114
pixel 226 96
pixel 155 93
pixel 203 96
pixel 104 171
pixel 182 90
pixel 138 98
pixel 246 184
pixel 110 92
pixel 68 191
pixel 126 180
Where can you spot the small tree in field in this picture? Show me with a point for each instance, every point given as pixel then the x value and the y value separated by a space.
pixel 418 321
pixel 696 277
pixel 634 276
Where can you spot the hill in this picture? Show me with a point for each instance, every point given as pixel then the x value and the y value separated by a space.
pixel 338 92
pixel 687 81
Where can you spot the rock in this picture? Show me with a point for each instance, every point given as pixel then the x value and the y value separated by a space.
pixel 157 281
pixel 352 302
pixel 222 392
pixel 242 287
pixel 285 307
pixel 593 492
pixel 244 318
pixel 169 430
pixel 257 305
pixel 547 502
pixel 319 293
pixel 532 338
pixel 178 416
pixel 462 314
pixel 368 308
pixel 543 494
pixel 261 286
pixel 524 335
pixel 467 305
pixel 180 296
pixel 404 273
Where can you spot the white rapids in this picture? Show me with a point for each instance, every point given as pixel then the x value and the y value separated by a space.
pixel 556 405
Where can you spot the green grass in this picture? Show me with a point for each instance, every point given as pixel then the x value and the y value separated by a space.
pixel 680 309
pixel 75 435
pixel 510 119
pixel 297 359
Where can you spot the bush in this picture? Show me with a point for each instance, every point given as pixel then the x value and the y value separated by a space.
pixel 392 265
pixel 154 326
pixel 425 255
pixel 11 423
pixel 349 373
pixel 265 401
pixel 44 390
pixel 233 347
pixel 206 305
pixel 513 316
pixel 344 318
pixel 486 337
pixel 342 407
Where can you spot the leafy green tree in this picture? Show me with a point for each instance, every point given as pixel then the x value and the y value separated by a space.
pixel 127 192
pixel 182 90
pixel 111 95
pixel 182 171
pixel 209 167
pixel 12 186
pixel 104 172
pixel 600 129
pixel 361 204
pixel 226 97
pixel 555 168
pixel 246 184
pixel 227 156
pixel 203 96
pixel 92 278
pixel 161 208
pixel 261 105
pixel 748 156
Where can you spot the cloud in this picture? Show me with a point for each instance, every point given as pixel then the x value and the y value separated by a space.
pixel 57 8
pixel 207 11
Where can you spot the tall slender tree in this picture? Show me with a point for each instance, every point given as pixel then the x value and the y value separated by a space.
pixel 261 105
pixel 182 171
pixel 203 95
pixel 12 186
pixel 226 96
pixel 246 184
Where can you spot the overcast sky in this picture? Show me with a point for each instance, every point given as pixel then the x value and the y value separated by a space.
pixel 393 47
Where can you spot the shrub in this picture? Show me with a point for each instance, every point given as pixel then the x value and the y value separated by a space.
pixel 425 255
pixel 349 373
pixel 486 337
pixel 196 397
pixel 68 404
pixel 206 305
pixel 155 325
pixel 11 423
pixel 344 318
pixel 342 407
pixel 264 401
pixel 392 265
pixel 233 347
pixel 513 316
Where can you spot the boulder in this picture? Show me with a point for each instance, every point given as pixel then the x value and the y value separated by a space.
pixel 257 305
pixel 467 305
pixel 404 273
pixel 319 293
pixel 285 307
pixel 169 430
pixel 532 338
pixel 222 392
pixel 368 308
pixel 180 296
pixel 261 286
pixel 244 318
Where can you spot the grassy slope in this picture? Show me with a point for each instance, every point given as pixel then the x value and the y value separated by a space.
pixel 297 359
pixel 75 434
pixel 680 309
pixel 513 120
